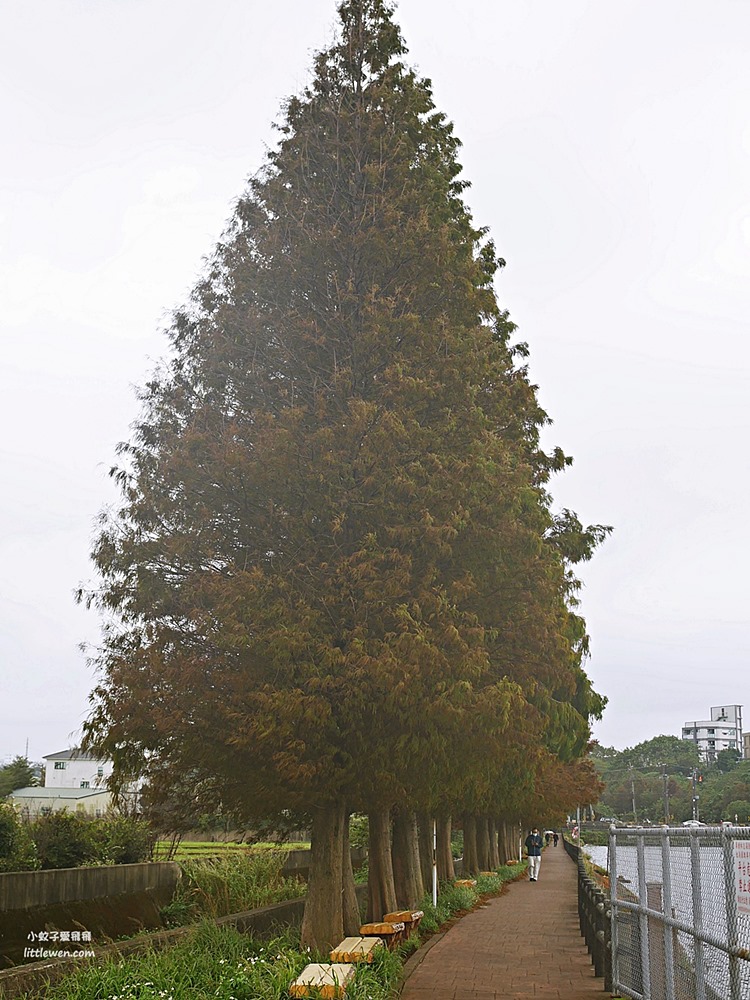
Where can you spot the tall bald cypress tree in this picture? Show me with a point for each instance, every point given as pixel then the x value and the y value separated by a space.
pixel 335 472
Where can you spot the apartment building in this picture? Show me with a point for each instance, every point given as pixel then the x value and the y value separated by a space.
pixel 723 731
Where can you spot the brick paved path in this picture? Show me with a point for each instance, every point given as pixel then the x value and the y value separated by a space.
pixel 523 944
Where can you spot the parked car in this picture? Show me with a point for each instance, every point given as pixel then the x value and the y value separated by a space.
pixel 693 822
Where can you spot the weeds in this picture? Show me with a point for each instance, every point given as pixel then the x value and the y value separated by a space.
pixel 216 887
pixel 219 963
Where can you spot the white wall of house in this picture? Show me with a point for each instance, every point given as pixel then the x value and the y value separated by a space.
pixel 63 771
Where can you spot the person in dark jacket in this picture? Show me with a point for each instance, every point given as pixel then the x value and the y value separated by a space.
pixel 534 850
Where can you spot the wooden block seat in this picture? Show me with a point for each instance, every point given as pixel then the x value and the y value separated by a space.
pixel 471 882
pixel 357 949
pixel 489 874
pixel 318 980
pixel 409 918
pixel 390 931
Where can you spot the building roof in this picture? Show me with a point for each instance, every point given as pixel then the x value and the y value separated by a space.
pixel 33 792
pixel 73 754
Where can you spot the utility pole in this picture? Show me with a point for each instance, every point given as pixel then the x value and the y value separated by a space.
pixel 632 792
pixel 695 793
pixel 665 776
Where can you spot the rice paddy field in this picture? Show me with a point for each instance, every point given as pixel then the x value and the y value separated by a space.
pixel 217 848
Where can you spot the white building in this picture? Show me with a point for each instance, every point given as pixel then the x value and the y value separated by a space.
pixel 33 802
pixel 75 769
pixel 75 781
pixel 723 731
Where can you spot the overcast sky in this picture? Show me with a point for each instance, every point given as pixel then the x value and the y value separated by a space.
pixel 608 148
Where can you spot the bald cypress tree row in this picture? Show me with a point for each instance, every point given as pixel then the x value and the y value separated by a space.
pixel 334 577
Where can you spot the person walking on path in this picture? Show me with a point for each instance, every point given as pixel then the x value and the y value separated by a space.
pixel 534 850
pixel 509 948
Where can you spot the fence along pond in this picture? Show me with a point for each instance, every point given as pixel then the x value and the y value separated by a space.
pixel 680 902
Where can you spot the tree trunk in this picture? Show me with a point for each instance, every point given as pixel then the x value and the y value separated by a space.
pixel 483 844
pixel 350 905
pixel 425 849
pixel 407 874
pixel 323 922
pixel 446 872
pixel 508 841
pixel 494 852
pixel 471 860
pixel 381 891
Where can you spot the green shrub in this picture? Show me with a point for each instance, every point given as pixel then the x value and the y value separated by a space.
pixel 359 830
pixel 451 900
pixel 457 843
pixel 216 887
pixel 740 808
pixel 68 840
pixel 123 840
pixel 17 849
pixel 64 840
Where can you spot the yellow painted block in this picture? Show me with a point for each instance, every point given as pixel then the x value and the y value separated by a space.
pixel 356 949
pixel 386 927
pixel 410 919
pixel 322 980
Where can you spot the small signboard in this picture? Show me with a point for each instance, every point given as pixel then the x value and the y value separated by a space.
pixel 742 874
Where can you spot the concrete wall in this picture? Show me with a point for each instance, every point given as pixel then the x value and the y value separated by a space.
pixel 27 890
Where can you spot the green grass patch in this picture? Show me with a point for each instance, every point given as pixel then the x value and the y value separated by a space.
pixel 212 962
pixel 221 964
pixel 217 848
pixel 231 883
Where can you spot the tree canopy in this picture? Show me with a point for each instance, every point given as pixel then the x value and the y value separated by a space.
pixel 335 574
pixel 19 773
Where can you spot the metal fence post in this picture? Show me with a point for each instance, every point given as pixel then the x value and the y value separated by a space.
pixel 727 850
pixel 643 919
pixel 666 869
pixel 613 907
pixel 695 872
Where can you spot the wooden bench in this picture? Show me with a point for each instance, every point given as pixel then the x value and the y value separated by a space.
pixel 357 949
pixel 409 918
pixel 390 932
pixel 322 981
pixel 470 882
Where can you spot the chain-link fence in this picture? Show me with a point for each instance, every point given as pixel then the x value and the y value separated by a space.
pixel 680 912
